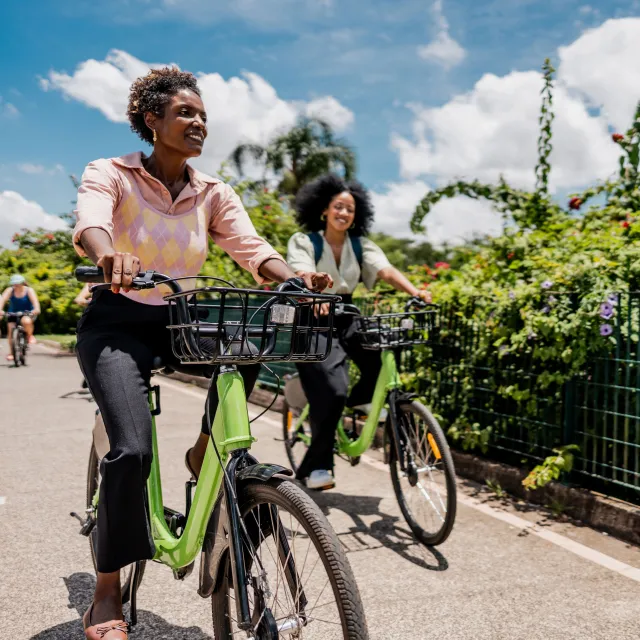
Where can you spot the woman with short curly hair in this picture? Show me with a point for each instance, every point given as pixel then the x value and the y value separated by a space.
pixel 336 216
pixel 149 212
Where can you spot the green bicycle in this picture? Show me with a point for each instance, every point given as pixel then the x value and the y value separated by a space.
pixel 270 561
pixel 415 447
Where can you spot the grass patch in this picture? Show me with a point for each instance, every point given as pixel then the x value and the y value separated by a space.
pixel 67 342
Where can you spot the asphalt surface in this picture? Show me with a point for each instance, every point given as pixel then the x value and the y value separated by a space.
pixel 491 580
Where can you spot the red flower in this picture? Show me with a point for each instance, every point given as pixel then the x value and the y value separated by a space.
pixel 49 236
pixel 625 224
pixel 265 190
pixel 575 203
pixel 267 287
pixel 442 265
pixel 510 255
pixel 267 207
pixel 617 137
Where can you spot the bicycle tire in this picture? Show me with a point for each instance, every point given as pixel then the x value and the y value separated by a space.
pixel 286 495
pixel 288 416
pixel 93 473
pixel 428 538
pixel 22 348
pixel 15 347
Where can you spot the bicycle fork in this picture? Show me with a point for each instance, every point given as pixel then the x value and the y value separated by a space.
pixel 243 542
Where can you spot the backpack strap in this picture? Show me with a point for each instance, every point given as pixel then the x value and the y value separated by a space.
pixel 356 245
pixel 318 245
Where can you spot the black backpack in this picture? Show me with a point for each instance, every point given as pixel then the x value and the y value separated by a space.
pixel 318 246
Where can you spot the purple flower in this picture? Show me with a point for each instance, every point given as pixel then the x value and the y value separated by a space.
pixel 532 336
pixel 546 309
pixel 606 311
pixel 606 330
pixel 547 284
pixel 512 296
pixel 552 300
pixel 612 299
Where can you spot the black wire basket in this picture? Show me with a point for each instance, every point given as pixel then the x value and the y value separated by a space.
pixel 226 325
pixel 394 330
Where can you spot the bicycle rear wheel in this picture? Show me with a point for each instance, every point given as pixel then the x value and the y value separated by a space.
pixel 426 490
pixel 296 438
pixel 316 596
pixel 128 573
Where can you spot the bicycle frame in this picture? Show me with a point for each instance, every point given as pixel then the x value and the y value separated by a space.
pixel 231 431
pixel 388 380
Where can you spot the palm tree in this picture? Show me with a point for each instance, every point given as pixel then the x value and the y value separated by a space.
pixel 300 155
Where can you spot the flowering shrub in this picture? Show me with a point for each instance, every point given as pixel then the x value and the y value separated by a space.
pixel 545 292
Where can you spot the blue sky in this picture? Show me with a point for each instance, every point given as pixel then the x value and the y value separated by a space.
pixel 371 56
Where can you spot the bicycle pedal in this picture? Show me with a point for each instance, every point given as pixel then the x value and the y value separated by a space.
pixel 183 572
pixel 87 525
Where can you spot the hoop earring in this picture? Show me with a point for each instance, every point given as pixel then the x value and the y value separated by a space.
pixel 353 225
pixel 155 136
pixel 323 217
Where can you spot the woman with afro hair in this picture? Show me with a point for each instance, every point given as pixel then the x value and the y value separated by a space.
pixel 139 212
pixel 336 216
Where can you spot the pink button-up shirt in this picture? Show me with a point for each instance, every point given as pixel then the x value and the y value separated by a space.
pixel 169 236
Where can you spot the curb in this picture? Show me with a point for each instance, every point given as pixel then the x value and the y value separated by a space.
pixel 61 351
pixel 620 519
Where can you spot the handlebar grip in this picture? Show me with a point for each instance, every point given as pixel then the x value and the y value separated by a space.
pixel 293 285
pixel 90 275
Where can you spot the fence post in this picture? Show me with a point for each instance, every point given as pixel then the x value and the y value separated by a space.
pixel 569 422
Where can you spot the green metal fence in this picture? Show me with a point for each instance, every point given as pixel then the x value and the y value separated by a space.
pixel 599 410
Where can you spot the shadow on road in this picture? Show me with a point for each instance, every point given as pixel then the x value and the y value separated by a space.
pixel 81 586
pixel 385 530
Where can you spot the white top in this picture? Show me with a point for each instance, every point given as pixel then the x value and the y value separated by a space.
pixel 301 257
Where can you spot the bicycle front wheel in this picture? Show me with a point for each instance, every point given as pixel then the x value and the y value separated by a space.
pixel 426 489
pixel 300 584
pixel 15 347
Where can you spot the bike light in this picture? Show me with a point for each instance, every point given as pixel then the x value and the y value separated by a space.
pixel 282 314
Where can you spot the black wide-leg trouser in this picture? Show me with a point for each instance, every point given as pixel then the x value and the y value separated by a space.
pixel 326 385
pixel 118 341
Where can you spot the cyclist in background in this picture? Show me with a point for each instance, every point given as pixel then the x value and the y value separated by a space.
pixel 337 216
pixel 21 299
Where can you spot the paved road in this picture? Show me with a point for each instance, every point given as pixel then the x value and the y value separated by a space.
pixel 496 578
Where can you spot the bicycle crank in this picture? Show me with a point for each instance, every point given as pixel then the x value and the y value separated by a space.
pixel 87 525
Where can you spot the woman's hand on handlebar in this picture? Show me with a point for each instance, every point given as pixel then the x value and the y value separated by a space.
pixel 119 270
pixel 316 281
pixel 424 295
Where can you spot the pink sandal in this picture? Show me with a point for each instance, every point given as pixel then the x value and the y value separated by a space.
pixel 112 630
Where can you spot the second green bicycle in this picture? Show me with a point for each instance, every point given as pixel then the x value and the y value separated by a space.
pixel 415 447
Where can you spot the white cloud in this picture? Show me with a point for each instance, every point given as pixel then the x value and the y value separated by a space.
pixel 17 213
pixel 7 109
pixel 245 109
pixel 35 169
pixel 603 66
pixel 331 111
pixel 443 49
pixel 450 221
pixel 492 131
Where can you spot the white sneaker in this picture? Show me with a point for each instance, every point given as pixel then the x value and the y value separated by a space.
pixel 320 479
pixel 366 409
